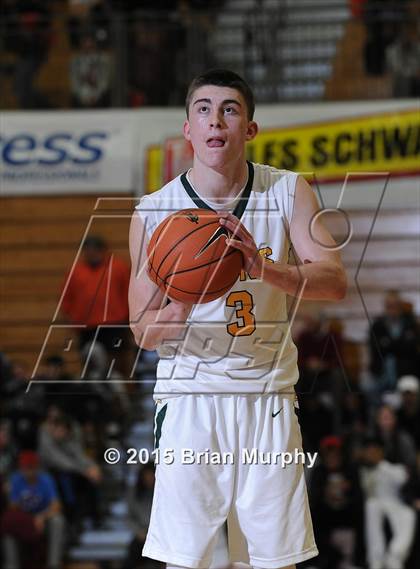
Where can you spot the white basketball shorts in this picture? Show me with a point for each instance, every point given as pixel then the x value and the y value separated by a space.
pixel 265 504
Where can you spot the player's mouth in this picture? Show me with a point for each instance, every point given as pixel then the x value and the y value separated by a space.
pixel 215 142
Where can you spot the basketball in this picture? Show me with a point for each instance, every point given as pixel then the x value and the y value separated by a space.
pixel 188 257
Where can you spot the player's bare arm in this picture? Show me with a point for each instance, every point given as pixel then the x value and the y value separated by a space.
pixel 150 320
pixel 321 270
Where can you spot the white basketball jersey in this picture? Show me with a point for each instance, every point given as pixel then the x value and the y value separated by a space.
pixel 241 342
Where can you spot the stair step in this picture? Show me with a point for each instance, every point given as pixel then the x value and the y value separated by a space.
pixel 119 509
pixel 102 553
pixel 310 4
pixel 285 54
pixel 106 538
pixel 232 38
pixel 310 17
pixel 403 250
pixel 306 70
pixel 301 33
pixel 373 301
pixel 305 36
pixel 101 545
pixel 322 50
pixel 292 91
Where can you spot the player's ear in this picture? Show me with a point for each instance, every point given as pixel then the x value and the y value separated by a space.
pixel 252 130
pixel 187 130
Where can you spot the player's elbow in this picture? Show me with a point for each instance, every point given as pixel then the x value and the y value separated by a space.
pixel 137 333
pixel 142 340
pixel 340 285
pixel 148 344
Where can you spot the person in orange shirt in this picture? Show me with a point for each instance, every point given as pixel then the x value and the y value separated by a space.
pixel 95 293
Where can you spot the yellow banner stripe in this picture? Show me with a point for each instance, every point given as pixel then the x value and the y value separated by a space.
pixel 387 142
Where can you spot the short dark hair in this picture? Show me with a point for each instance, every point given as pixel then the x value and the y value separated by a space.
pixel 222 78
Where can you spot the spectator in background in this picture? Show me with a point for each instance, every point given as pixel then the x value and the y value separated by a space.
pixel 77 476
pixel 34 512
pixel 403 62
pixel 116 403
pixel 414 560
pixel 354 424
pixel 155 37
pixel 319 354
pixel 316 421
pixel 357 7
pixel 336 504
pixel 8 451
pixel 5 373
pixel 23 406
pixel 354 413
pixel 28 25
pixel 139 501
pixel 89 16
pixel 80 401
pixel 408 413
pixel 3 502
pixel 398 446
pixel 382 483
pixel 58 390
pixel 394 342
pixel 382 20
pixel 194 51
pixel 90 75
pixel 95 294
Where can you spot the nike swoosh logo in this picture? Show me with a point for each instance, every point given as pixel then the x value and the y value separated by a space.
pixel 275 414
pixel 220 232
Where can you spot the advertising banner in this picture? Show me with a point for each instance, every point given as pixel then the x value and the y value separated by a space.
pixel 66 152
pixel 378 142
pixel 140 150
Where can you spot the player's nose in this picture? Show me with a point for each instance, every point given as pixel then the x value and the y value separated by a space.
pixel 216 120
pixel 216 123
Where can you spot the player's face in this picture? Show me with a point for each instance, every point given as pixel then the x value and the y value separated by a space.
pixel 218 125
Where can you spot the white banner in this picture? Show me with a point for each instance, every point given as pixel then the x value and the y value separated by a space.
pixel 63 152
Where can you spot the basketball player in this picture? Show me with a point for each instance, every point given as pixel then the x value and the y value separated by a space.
pixel 227 368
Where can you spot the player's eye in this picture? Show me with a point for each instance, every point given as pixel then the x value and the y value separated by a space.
pixel 203 108
pixel 230 110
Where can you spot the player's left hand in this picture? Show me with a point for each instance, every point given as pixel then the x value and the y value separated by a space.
pixel 242 239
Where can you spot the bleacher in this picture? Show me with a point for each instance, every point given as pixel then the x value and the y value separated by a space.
pixel 41 236
pixel 53 76
pixel 286 51
pixel 387 258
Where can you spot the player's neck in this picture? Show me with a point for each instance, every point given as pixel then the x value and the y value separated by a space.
pixel 215 184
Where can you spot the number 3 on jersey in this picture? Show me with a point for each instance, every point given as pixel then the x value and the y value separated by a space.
pixel 243 302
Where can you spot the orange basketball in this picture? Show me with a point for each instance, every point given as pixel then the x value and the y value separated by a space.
pixel 189 258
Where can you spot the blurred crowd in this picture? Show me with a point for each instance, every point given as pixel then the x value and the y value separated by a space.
pixel 393 42
pixel 365 487
pixel 114 47
pixel 55 426
pixel 104 36
pixel 364 424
